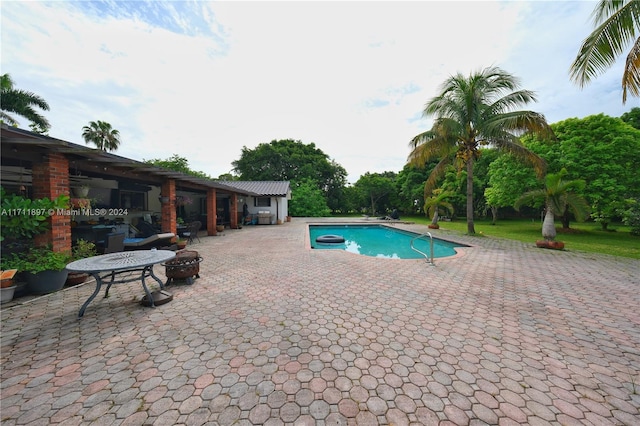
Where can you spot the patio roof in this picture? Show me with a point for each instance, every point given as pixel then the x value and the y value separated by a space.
pixel 265 188
pixel 20 146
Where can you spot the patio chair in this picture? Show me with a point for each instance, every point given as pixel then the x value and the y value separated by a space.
pixel 192 231
pixel 114 242
pixel 155 240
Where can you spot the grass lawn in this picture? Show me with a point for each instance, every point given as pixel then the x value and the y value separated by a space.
pixel 583 236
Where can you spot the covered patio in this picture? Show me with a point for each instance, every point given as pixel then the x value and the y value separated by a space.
pixel 121 191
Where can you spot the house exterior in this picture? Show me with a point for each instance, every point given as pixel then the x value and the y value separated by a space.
pixel 268 198
pixel 122 190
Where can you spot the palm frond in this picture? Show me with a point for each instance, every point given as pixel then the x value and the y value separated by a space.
pixel 631 75
pixel 529 198
pixel 514 147
pixel 8 119
pixel 518 122
pixel 578 206
pixel 437 172
pixel 619 20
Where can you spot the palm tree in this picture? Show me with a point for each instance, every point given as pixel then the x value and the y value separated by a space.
pixel 472 112
pixel 436 203
pixel 22 103
pixel 617 22
pixel 101 135
pixel 559 198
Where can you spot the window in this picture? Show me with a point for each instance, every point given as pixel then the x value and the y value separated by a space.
pixel 133 200
pixel 262 202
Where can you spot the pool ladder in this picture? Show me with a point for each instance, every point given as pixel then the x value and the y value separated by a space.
pixel 429 258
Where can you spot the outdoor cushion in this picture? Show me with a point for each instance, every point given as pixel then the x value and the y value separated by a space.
pixel 154 239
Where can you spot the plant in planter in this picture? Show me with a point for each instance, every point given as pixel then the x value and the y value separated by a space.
pixel 18 225
pixel 559 198
pixel 181 243
pixel 44 268
pixel 7 286
pixel 435 204
pixel 81 250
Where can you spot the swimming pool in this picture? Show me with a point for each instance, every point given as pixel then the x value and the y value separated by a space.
pixel 379 241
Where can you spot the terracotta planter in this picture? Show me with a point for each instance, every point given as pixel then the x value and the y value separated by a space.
pixel 7 278
pixel 554 245
pixel 432 226
pixel 220 228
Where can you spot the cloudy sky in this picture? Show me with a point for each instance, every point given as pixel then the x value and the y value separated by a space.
pixel 203 79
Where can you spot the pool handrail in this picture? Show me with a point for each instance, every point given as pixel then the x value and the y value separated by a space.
pixel 429 258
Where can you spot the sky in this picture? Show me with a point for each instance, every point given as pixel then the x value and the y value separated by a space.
pixel 204 79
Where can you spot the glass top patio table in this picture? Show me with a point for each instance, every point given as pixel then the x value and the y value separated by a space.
pixel 112 264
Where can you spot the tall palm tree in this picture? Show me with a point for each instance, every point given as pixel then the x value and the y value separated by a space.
pixel 617 25
pixel 102 135
pixel 471 112
pixel 560 197
pixel 21 102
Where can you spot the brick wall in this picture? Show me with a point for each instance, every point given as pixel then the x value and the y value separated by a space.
pixel 51 179
pixel 169 223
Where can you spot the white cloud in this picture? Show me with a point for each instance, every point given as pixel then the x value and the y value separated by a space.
pixel 204 79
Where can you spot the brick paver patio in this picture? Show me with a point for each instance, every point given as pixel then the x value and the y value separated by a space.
pixel 275 333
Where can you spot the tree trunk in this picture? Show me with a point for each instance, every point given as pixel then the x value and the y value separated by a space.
pixel 549 226
pixel 434 220
pixel 566 219
pixel 373 206
pixel 471 230
pixel 494 215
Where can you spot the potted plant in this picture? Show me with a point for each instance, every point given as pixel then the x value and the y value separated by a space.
pixel 18 226
pixel 7 287
pixel 182 243
pixel 82 191
pixel 434 204
pixel 81 250
pixel 560 196
pixel 44 269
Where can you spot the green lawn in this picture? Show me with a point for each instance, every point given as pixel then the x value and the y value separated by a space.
pixel 584 236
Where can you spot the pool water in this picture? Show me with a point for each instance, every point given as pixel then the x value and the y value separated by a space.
pixel 379 241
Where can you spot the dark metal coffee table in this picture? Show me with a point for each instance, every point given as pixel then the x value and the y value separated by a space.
pixel 138 265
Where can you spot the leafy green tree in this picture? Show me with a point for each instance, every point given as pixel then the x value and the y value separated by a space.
pixel 617 25
pixel 22 103
pixel 602 150
pixel 378 190
pixel 178 164
pixel 294 161
pixel 631 215
pixel 480 180
pixel 559 196
pixel 632 117
pixel 471 112
pixel 410 188
pixel 102 135
pixel 307 200
pixel 334 188
pixel 508 180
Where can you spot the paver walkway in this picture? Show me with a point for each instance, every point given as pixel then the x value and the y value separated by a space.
pixel 275 333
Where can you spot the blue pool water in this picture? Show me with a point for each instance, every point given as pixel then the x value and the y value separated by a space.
pixel 379 241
